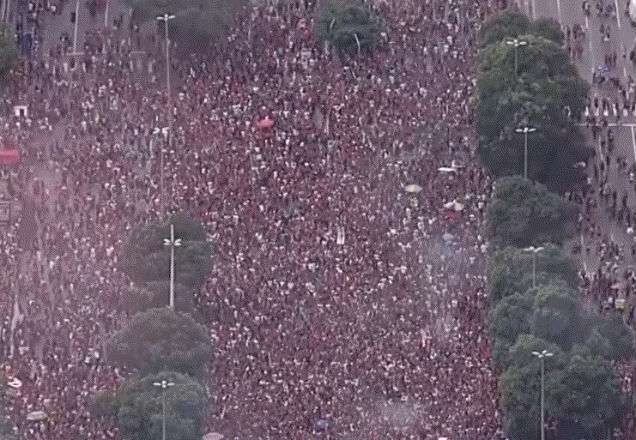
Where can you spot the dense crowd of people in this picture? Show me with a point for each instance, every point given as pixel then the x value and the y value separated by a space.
pixel 347 293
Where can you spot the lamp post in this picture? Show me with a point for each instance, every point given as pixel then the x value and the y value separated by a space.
pixel 164 384
pixel 534 251
pixel 172 243
pixel 516 43
pixel 542 355
pixel 525 130
pixel 166 18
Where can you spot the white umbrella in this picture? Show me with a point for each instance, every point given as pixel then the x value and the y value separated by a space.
pixel 213 436
pixel 36 416
pixel 413 188
pixel 447 237
pixel 458 206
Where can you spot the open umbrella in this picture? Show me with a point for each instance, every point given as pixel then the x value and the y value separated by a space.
pixel 36 416
pixel 413 188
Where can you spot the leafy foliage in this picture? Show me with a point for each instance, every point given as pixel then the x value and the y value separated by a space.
pixel 585 396
pixel 160 339
pixel 546 86
pixel 506 321
pixel 520 388
pixel 139 408
pixel 512 23
pixel 197 25
pixel 510 271
pixel 611 338
pixel 156 294
pixel 523 214
pixel 5 425
pixel 146 259
pixel 348 26
pixel 558 317
pixel 8 51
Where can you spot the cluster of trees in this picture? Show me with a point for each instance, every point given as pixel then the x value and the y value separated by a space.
pixel 6 433
pixel 350 27
pixel 8 51
pixel 526 79
pixel 532 283
pixel 534 306
pixel 158 343
pixel 197 26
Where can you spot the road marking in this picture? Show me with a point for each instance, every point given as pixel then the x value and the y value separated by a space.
pixel 587 22
pixel 618 15
pixel 625 72
pixel 559 12
pixel 612 124
pixel 631 127
pixel 534 10
pixel 583 254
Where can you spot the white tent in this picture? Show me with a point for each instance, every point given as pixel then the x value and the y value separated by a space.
pixel 213 436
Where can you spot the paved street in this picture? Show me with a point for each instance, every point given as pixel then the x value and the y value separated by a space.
pixel 621 122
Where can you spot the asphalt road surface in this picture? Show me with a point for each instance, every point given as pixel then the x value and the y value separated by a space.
pixel 595 48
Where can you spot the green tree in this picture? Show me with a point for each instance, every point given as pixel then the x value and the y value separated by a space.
pixel 520 386
pixel 139 408
pixel 585 396
pixel 156 294
pixel 349 26
pixel 523 213
pixel 197 26
pixel 510 271
pixel 508 319
pixel 160 339
pixel 147 259
pixel 549 28
pixel 511 23
pixel 557 316
pixel 611 338
pixel 8 51
pixel 547 94
pixel 6 432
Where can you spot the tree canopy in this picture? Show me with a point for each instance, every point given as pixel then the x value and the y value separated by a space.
pixel 8 51
pixel 156 294
pixel 512 23
pixel 523 213
pixel 138 407
pixel 585 396
pixel 348 26
pixel 510 271
pixel 197 24
pixel 546 94
pixel 160 339
pixel 147 259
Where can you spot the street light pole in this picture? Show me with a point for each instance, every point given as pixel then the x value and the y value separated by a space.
pixel 542 355
pixel 166 18
pixel 164 384
pixel 534 251
pixel 525 130
pixel 172 243
pixel 75 29
pixel 516 43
